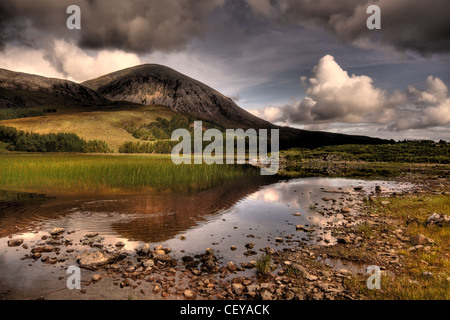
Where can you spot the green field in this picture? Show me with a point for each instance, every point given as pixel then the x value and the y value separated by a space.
pixel 75 173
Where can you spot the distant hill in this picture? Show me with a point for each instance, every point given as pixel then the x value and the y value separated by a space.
pixel 22 90
pixel 102 108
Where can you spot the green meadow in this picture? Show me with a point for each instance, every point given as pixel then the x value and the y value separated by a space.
pixel 76 173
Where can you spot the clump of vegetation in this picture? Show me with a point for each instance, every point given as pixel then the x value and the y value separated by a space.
pixel 51 142
pixel 263 264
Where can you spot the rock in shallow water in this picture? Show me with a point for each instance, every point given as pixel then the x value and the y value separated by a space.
pixel 57 231
pixel 15 242
pixel 91 260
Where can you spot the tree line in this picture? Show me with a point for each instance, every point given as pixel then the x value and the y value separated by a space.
pixel 18 140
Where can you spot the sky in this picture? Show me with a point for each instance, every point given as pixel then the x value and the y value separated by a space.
pixel 308 64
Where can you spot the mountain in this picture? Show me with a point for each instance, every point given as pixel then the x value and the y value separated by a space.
pixel 22 90
pixel 102 108
pixel 153 84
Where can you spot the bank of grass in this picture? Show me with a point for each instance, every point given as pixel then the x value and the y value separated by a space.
pixel 75 173
pixel 412 281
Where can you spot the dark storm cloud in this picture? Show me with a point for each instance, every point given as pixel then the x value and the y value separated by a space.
pixel 135 26
pixel 416 25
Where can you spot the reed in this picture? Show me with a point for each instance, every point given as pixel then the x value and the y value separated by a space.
pixel 110 173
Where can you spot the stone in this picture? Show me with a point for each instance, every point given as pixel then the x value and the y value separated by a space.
pixel 91 235
pixel 182 238
pixel 231 266
pixel 42 249
pixel 346 210
pixel 253 288
pixel 145 249
pixel 238 288
pixel 57 231
pixel 311 277
pixel 92 260
pixel 148 263
pixel 438 219
pixel 120 244
pixel 160 252
pixel 297 214
pixel 96 278
pixel 189 294
pixel 250 245
pixel 299 268
pixel 421 240
pixel 36 256
pixel 15 242
pixel 233 248
pixel 266 295
pixel 300 227
pixel 427 274
pixel 156 289
pixel 344 240
pixel 279 239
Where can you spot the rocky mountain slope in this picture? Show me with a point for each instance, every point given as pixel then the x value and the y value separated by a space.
pixel 155 84
pixel 22 90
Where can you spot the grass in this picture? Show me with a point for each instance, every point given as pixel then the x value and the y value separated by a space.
pixel 411 283
pixel 263 264
pixel 75 173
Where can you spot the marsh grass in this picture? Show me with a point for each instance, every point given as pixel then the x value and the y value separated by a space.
pixel 110 173
pixel 263 265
